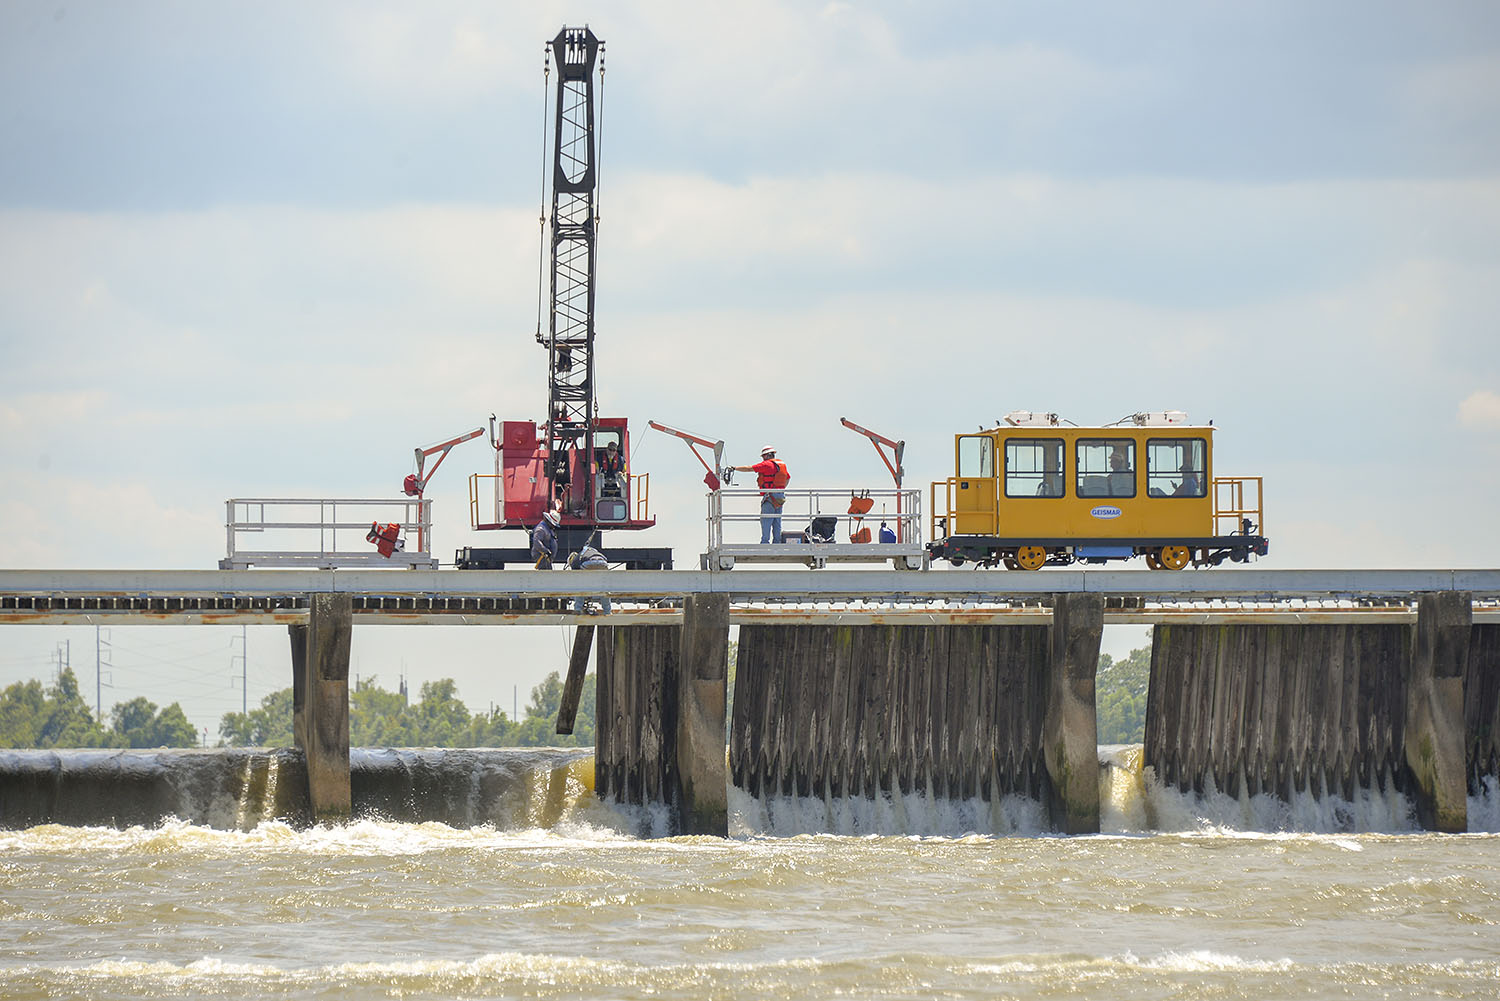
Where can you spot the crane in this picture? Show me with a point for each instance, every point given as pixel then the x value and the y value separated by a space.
pixel 565 463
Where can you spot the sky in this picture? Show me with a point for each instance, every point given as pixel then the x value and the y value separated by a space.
pixel 265 250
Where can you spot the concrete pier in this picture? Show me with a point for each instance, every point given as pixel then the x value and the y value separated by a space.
pixel 320 702
pixel 1071 727
pixel 1433 739
pixel 702 697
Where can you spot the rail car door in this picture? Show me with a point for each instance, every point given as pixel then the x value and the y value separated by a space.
pixel 974 490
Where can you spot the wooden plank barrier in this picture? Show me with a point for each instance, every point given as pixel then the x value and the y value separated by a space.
pixel 951 712
pixel 1325 709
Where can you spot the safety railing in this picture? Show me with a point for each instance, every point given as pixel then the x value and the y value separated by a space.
pixel 474 482
pixel 941 516
pixel 1237 499
pixel 816 528
pixel 324 533
pixel 640 495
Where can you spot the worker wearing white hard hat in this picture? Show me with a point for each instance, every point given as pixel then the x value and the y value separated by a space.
pixel 544 540
pixel 771 476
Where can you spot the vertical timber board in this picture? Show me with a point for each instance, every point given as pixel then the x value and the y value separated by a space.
pixel 703 664
pixel 635 745
pixel 1482 708
pixel 297 634
pixel 1433 735
pixel 326 713
pixel 578 666
pixel 609 718
pixel 1071 729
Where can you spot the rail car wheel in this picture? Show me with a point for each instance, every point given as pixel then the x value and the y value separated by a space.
pixel 1175 557
pixel 1009 562
pixel 1153 561
pixel 1031 557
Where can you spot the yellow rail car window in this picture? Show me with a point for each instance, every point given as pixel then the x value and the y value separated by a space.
pixel 1106 467
pixel 1034 467
pixel 1176 467
pixel 976 456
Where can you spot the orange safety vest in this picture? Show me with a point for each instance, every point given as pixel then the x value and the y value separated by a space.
pixel 777 480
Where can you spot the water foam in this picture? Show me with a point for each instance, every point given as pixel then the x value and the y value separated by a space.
pixel 914 814
pixel 1484 808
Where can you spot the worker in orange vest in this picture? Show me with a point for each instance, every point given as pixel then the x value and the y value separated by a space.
pixel 771 476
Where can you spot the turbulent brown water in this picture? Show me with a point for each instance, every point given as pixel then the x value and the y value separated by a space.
pixel 559 901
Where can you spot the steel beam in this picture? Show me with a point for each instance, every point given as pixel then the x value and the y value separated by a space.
pixel 812 585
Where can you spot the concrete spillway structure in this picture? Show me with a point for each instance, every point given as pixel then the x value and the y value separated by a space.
pixel 1280 682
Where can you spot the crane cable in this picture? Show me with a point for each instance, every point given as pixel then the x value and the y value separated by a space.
pixel 541 243
pixel 599 151
pixel 598 194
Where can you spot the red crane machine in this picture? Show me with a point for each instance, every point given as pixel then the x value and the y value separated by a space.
pixel 565 462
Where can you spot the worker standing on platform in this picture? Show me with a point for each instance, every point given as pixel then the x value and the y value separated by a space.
pixel 544 540
pixel 771 476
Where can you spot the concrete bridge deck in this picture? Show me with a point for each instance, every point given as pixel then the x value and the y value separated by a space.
pixel 786 597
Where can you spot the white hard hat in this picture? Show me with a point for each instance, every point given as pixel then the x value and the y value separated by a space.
pixel 768 450
pixel 552 516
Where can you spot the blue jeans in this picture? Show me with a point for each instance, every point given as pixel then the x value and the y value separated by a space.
pixel 770 517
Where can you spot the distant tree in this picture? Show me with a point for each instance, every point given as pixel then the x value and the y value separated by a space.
pixel 441 716
pixel 132 720
pixel 546 698
pixel 138 724
pixel 268 726
pixel 1120 697
pixel 379 718
pixel 31 716
pixel 172 729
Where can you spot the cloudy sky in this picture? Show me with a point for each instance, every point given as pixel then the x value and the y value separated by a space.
pixel 267 249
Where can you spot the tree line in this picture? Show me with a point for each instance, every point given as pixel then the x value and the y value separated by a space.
pixel 381 718
pixel 31 716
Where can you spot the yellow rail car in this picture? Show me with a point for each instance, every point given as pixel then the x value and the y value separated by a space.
pixel 1036 490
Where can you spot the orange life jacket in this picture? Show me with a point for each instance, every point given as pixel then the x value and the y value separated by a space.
pixel 387 538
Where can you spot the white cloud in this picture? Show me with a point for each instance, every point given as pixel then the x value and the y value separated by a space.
pixel 1480 411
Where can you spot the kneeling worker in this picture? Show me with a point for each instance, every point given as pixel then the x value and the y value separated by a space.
pixel 589 558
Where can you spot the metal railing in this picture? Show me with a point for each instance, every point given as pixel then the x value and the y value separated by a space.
pixel 285 528
pixel 1234 502
pixel 640 495
pixel 734 528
